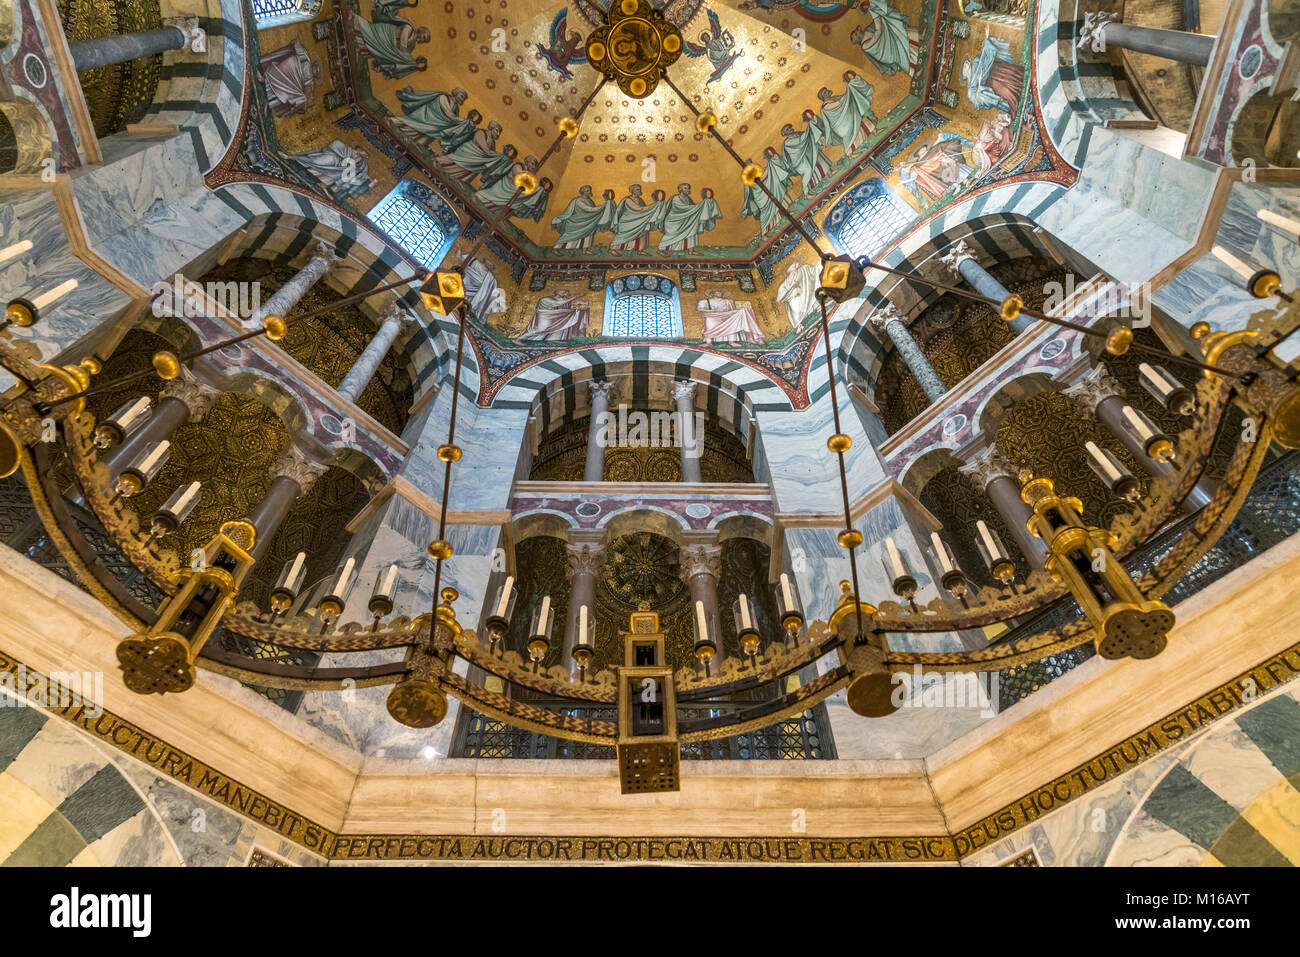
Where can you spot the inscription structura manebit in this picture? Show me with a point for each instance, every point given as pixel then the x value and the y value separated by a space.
pixel 126 737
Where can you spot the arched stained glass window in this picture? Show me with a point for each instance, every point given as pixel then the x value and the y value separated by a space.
pixel 274 13
pixel 643 307
pixel 418 220
pixel 868 218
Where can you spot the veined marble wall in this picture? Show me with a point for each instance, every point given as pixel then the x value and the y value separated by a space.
pixel 1229 797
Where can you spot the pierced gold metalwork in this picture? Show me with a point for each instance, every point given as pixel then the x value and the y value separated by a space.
pixel 634 47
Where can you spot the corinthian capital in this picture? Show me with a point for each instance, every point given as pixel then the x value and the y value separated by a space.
pixel 293 463
pixel 396 313
pixel 886 314
pixel 701 560
pixel 584 559
pixel 603 389
pixel 198 396
pixel 1092 35
pixel 1098 384
pixel 684 390
pixel 988 465
pixel 956 253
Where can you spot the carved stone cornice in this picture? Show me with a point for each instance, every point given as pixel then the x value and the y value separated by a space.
pixel 584 559
pixel 1092 33
pixel 198 396
pixel 1097 385
pixel 293 463
pixel 956 254
pixel 701 560
pixel 987 466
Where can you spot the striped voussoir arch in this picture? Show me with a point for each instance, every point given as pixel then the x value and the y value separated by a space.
pixel 283 223
pixel 997 225
pixel 730 392
pixel 1075 88
pixel 202 93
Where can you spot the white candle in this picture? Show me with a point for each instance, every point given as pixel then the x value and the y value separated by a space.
pixel 701 623
pixel 1103 461
pixel 785 592
pixel 295 571
pixel 58 292
pixel 746 623
pixel 17 249
pixel 1277 219
pixel 389 579
pixel 895 559
pixel 582 625
pixel 1228 259
pixel 941 550
pixel 990 543
pixel 504 603
pixel 179 508
pixel 154 457
pixel 136 409
pixel 1140 426
pixel 341 585
pixel 545 617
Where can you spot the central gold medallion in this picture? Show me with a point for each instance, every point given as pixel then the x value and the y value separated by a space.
pixel 634 47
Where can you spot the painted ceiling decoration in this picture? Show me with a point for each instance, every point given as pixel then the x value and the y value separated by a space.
pixel 926 99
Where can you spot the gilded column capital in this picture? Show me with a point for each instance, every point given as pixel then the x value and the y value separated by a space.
pixel 1096 385
pixel 987 466
pixel 701 560
pixel 198 396
pixel 293 463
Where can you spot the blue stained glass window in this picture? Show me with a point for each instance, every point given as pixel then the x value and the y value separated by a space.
pixel 864 222
pixel 644 315
pixel 411 227
pixel 269 13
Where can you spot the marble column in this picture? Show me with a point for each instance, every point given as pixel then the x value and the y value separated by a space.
pixel 105 51
pixel 393 321
pixel 1102 30
pixel 701 569
pixel 293 474
pixel 1001 483
pixel 890 320
pixel 288 295
pixel 585 560
pixel 684 398
pixel 601 393
pixel 1099 393
pixel 960 259
pixel 183 399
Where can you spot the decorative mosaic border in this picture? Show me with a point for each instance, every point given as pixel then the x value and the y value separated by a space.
pixel 1158 737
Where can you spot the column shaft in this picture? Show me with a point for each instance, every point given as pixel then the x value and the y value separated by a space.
pixel 363 370
pixel 1004 493
pixel 1193 48
pixel 982 281
pixel 1110 413
pixel 692 445
pixel 168 415
pixel 272 510
pixel 915 360
pixel 594 471
pixel 288 295
pixel 105 51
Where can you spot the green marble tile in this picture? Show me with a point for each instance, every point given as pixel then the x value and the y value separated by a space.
pixel 1183 802
pixel 101 804
pixel 1274 727
pixel 17 727
pixel 54 843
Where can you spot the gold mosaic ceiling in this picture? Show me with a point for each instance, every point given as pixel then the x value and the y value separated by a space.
pixel 512 59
